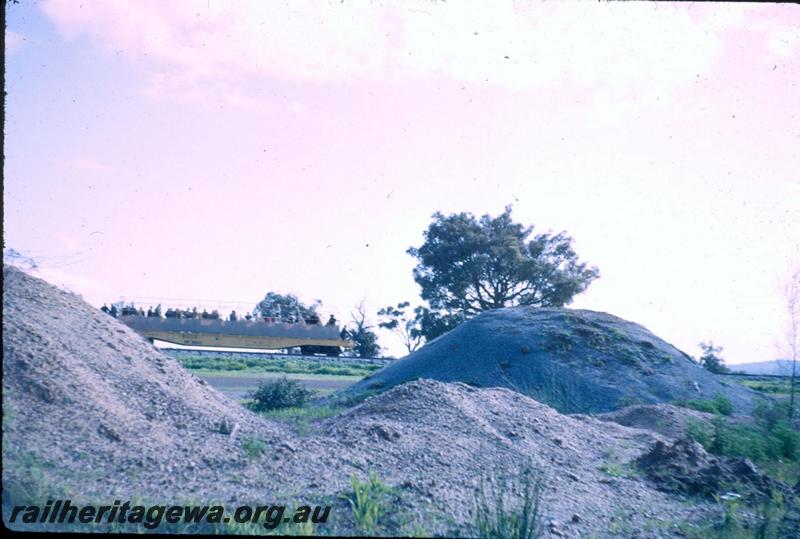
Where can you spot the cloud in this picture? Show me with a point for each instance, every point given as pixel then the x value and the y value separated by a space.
pixel 197 48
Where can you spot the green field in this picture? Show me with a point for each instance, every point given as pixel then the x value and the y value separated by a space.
pixel 252 365
pixel 237 376
pixel 772 387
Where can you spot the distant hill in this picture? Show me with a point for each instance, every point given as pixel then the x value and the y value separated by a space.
pixel 761 367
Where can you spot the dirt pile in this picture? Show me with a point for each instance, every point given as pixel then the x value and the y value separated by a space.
pixel 574 360
pixel 91 406
pixel 684 467
pixel 671 421
pixel 95 413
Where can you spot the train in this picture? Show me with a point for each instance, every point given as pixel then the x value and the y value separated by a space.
pixel 311 339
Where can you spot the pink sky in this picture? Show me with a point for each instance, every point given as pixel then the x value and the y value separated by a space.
pixel 218 150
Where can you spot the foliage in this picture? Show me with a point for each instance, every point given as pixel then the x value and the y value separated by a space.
pixel 615 469
pixel 395 319
pixel 769 437
pixel 718 405
pixel 365 341
pixel 368 502
pixel 285 307
pixel 302 417
pixel 497 517
pixel 768 520
pixel 711 360
pixel 775 387
pixel 468 265
pixel 433 323
pixel 280 393
pixel 253 447
pixel 288 366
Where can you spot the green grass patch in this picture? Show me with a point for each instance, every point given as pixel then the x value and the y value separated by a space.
pixel 769 438
pixel 245 364
pixel 614 469
pixel 719 405
pixel 254 447
pixel 771 387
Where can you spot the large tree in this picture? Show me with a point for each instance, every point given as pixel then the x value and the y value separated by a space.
pixel 468 265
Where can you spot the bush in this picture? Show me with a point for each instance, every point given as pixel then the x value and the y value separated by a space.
pixel 277 394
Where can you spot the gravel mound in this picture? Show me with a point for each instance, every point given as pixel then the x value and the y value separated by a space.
pixel 82 392
pixel 94 413
pixel 574 360
pixel 434 441
pixel 666 419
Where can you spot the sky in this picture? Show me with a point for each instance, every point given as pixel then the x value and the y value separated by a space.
pixel 212 151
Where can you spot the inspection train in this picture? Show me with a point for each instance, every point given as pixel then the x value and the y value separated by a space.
pixel 310 338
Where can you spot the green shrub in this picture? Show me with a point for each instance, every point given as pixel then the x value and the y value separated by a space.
pixel 280 393
pixel 498 518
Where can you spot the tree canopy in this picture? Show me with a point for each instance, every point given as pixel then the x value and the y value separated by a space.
pixel 711 359
pixel 399 322
pixel 285 307
pixel 468 265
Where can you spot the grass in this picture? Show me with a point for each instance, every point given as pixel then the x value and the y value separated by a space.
pixel 772 387
pixel 368 502
pixel 302 418
pixel 768 439
pixel 254 447
pixel 249 365
pixel 769 520
pixel 614 469
pixel 719 405
pixel 497 517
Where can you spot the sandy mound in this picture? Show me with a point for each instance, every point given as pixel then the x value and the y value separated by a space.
pixel 93 412
pixel 671 421
pixel 573 360
pixel 83 392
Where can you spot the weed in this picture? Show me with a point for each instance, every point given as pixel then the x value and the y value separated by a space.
pixel 368 502
pixel 614 469
pixel 302 417
pixel 253 447
pixel 497 518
